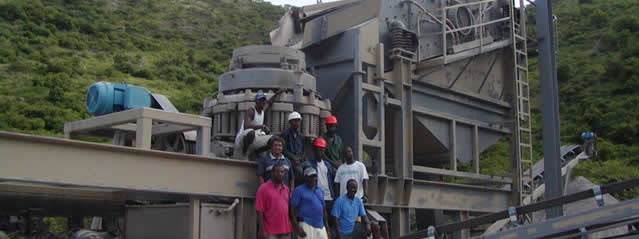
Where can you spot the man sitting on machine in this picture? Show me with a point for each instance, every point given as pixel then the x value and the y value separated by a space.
pixel 253 134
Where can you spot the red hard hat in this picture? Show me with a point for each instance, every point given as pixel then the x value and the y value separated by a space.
pixel 331 120
pixel 320 143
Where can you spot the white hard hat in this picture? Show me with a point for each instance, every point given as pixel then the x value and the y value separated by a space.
pixel 294 115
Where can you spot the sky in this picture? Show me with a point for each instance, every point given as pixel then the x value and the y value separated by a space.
pixel 297 3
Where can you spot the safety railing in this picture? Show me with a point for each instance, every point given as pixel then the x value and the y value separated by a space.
pixel 448 28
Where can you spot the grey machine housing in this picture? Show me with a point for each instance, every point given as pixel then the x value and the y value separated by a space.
pixel 265 68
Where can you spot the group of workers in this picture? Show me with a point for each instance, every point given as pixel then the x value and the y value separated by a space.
pixel 297 196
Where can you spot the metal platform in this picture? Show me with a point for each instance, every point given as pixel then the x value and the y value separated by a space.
pixel 140 122
pixel 94 172
pixel 65 162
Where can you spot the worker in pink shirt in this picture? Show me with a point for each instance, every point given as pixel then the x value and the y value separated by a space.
pixel 271 204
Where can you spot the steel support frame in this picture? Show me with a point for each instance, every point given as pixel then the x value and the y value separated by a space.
pixel 403 130
pixel 523 210
pixel 144 128
pixel 69 163
pixel 74 163
pixel 452 156
pixel 63 162
pixel 627 210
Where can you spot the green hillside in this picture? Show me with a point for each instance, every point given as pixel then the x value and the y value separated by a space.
pixel 598 73
pixel 51 51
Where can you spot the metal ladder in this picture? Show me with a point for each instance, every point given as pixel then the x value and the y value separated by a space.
pixel 523 131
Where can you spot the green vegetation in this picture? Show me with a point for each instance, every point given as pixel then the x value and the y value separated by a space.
pixel 51 51
pixel 598 73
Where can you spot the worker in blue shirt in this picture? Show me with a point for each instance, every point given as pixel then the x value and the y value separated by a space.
pixel 345 211
pixel 308 210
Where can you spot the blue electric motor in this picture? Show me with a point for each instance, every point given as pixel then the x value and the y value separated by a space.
pixel 105 97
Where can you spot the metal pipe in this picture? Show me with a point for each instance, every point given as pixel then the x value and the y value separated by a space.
pixel 549 105
pixel 480 25
pixel 227 210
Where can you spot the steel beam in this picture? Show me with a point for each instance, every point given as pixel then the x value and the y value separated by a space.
pixel 622 211
pixel 391 192
pixel 476 149
pixel 194 217
pixel 453 145
pixel 143 133
pixel 69 162
pixel 488 218
pixel 39 190
pixel 461 174
pixel 161 129
pixel 549 104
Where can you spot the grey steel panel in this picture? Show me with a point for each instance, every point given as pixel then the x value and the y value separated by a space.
pixel 439 128
pixel 15 197
pixel 448 196
pixel 261 55
pixel 458 105
pixel 464 141
pixel 165 103
pixel 482 76
pixel 437 195
pixel 265 78
pixel 337 22
pixel 214 226
pixel 614 213
pixel 158 222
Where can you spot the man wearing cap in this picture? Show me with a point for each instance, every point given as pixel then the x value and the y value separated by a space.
pixel 294 145
pixel 334 144
pixel 325 176
pixel 308 209
pixel 271 205
pixel 253 123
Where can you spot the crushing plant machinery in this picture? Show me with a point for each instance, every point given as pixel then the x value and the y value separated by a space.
pixel 421 88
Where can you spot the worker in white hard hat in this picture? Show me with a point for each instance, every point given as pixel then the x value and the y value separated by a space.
pixel 294 145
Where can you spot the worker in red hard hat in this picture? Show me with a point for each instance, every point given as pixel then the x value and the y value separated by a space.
pixel 325 172
pixel 334 144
